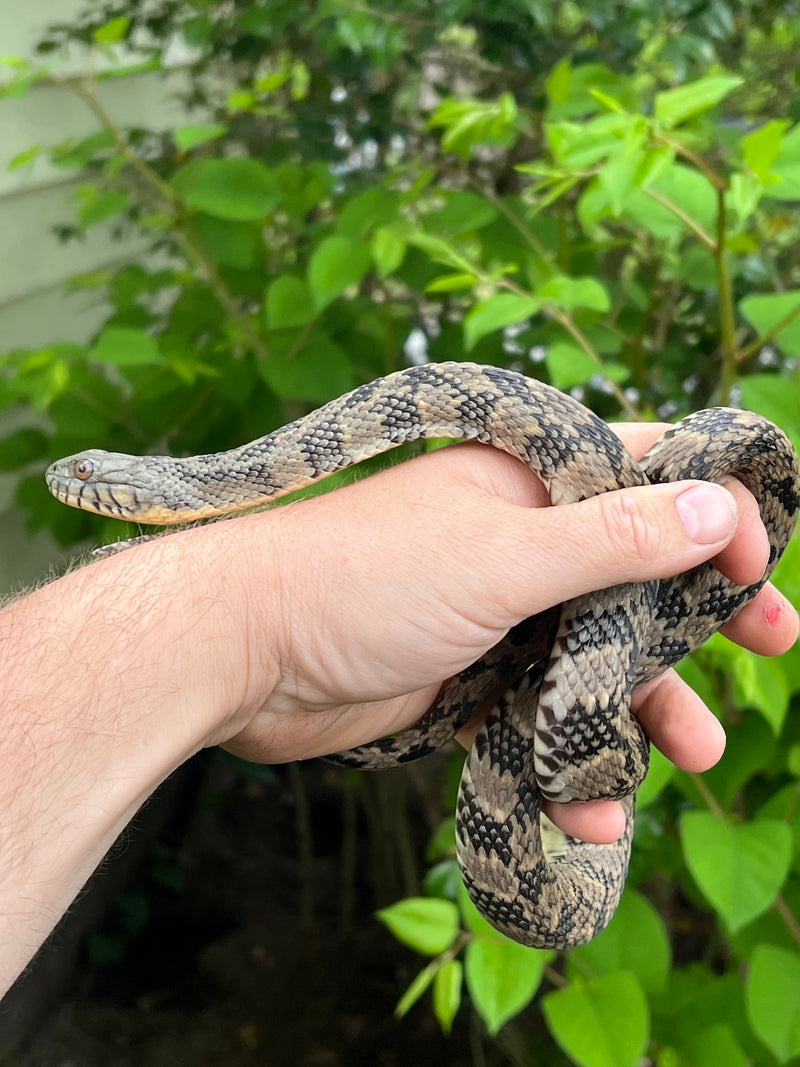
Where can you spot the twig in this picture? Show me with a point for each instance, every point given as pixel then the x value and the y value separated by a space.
pixel 184 232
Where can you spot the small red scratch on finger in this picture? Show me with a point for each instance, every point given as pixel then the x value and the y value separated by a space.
pixel 772 615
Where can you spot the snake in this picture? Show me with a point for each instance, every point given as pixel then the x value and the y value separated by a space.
pixel 556 690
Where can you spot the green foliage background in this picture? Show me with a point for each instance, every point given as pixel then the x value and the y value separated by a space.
pixel 604 196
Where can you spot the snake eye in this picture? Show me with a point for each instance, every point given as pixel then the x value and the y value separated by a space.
pixel 83 469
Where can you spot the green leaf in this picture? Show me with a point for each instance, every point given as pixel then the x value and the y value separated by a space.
pixel 440 250
pixel 579 146
pixel 74 155
pixel 362 214
pixel 451 283
pixel 416 989
pixel 659 774
pixel 232 244
pixel 289 303
pixel 240 189
pixel 762 147
pixel 559 82
pixel 715 1047
pixel 502 977
pixel 318 371
pixel 604 1023
pixel 773 1000
pixel 619 174
pixel 567 292
pixel 336 265
pixel 785 172
pixel 761 684
pixel 188 137
pixel 464 212
pixel 447 993
pixel 787 578
pixel 113 32
pixel 575 92
pixel 123 347
pixel 766 311
pixel 99 206
pixel 674 106
pixel 751 747
pixel 21 447
pixel 570 365
pixel 426 924
pixel 744 194
pixel 682 186
pixel 502 309
pixel 388 250
pixel 22 159
pixel 740 869
pixel 635 940
pixel 776 398
pixel 470 122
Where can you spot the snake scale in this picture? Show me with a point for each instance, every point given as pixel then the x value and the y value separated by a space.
pixel 558 685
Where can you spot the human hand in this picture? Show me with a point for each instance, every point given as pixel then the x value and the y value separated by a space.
pixel 391 585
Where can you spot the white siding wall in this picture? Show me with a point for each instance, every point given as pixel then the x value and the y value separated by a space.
pixel 33 264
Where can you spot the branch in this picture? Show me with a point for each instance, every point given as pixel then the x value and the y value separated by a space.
pixel 184 231
pixel 764 338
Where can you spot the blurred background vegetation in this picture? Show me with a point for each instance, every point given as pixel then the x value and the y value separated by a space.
pixel 268 203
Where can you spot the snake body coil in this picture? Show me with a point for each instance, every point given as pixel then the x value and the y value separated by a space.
pixel 559 684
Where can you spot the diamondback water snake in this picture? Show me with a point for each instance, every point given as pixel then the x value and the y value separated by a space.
pixel 558 685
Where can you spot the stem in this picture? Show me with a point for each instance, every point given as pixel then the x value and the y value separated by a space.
pixel 709 799
pixel 764 338
pixel 555 977
pixel 349 853
pixel 785 912
pixel 686 219
pixel 305 846
pixel 726 303
pixel 576 333
pixel 696 161
pixel 519 225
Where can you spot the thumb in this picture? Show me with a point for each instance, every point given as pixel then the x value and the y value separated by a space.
pixel 629 535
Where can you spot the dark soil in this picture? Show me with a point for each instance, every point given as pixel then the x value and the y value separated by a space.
pixel 222 948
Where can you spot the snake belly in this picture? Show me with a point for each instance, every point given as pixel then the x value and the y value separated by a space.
pixel 557 688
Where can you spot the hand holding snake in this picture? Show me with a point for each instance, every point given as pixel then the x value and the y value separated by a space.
pixel 535 899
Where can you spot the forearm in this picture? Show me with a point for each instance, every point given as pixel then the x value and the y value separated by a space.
pixel 111 677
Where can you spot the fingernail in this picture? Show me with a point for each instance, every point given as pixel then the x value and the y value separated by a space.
pixel 707 512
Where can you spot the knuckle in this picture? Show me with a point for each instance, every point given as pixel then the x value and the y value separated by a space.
pixel 628 527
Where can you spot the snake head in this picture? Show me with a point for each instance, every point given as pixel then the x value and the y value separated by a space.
pixel 109 483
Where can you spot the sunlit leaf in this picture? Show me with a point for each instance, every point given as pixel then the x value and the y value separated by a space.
pixel 601 1023
pixel 773 1000
pixel 674 106
pixel 188 137
pixel 502 309
pixel 242 189
pixel 502 978
pixel 426 924
pixel 740 869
